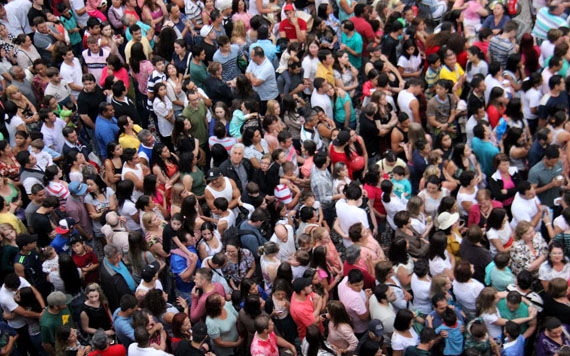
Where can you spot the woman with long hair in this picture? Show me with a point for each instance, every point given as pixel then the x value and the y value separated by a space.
pixel 14 121
pixel 239 33
pixel 181 330
pixel 292 118
pixel 26 53
pixel 440 261
pixel 164 111
pixel 244 89
pixel 404 334
pixel 174 88
pixel 139 255
pixel 95 314
pixel 128 133
pixel 152 224
pixel 269 263
pixel 392 203
pixel 113 41
pixel 113 165
pixel 191 176
pixel 514 72
pixel 73 166
pixel 252 308
pixel 476 63
pixel 240 13
pixel 322 237
pixel 310 63
pixel 152 189
pixel 99 199
pixel 499 231
pixel 181 56
pixel 116 69
pixel 496 106
pixel 210 242
pixel 54 185
pixel 467 191
pixel 66 342
pixel 346 75
pixel 181 137
pixel 154 13
pixel 517 146
pixel 126 206
pixel 165 166
pixel 9 248
pixel 314 343
pixel 221 114
pixel 530 54
pixel 402 261
pixel 133 171
pixel 341 331
pixel 191 211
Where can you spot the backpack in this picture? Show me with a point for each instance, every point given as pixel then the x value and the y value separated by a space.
pixel 232 233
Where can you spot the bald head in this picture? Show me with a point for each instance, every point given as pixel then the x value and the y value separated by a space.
pixel 281 232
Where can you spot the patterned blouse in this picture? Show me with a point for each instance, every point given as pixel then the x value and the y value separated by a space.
pixel 522 256
pixel 236 271
pixel 12 170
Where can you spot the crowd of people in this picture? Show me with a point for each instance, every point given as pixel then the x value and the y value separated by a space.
pixel 266 178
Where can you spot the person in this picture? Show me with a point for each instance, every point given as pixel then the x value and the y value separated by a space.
pixel 552 338
pixel 203 280
pixel 555 266
pixel 529 250
pixel 546 176
pixel 116 279
pixel 142 346
pixel 220 321
pixel 483 148
pixel 57 314
pixel 357 305
pixel 265 342
pixel 123 319
pixel 261 74
pixel 305 307
pixel 404 334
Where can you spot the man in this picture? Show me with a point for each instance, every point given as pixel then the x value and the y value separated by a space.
pixel 145 149
pixel 80 12
pixel 41 223
pixel 136 32
pixel 201 291
pixel 399 136
pixel 37 197
pixel 12 284
pixel 238 168
pixel 75 208
pixel 71 142
pixel 123 319
pixel 158 75
pixel 227 54
pixel 65 231
pixel 549 17
pixel 390 43
pixel 284 236
pixel 95 58
pixel 285 140
pixel 293 28
pixel 265 342
pixel 56 88
pixel 523 286
pixel 30 174
pixel 198 70
pixel 419 162
pixel 542 139
pixel 183 266
pixel 355 302
pixel 554 66
pixel 407 99
pixel 440 112
pixel 477 95
pixel 265 43
pixel 141 346
pixel 305 306
pixel 100 342
pixel 363 27
pixel 483 148
pixel 199 336
pixel 547 176
pixel 475 253
pixel 512 307
pixel 216 263
pixel 439 303
pixel 503 45
pixel 56 315
pixel 291 81
pixel 428 338
pixel 308 131
pixel 19 80
pixel 526 206
pixel 45 38
pixel 196 112
pixel 88 102
pixel 71 72
pixel 556 99
pixel 122 104
pixel 384 312
pixel 116 280
pixel 493 79
pixel 261 74
pixel 208 43
pixel 351 42
pixel 253 240
pixel 321 96
pixel 52 130
pixel 106 129
pixel 324 68
pixel 479 115
pixel 17 17
pixel 182 23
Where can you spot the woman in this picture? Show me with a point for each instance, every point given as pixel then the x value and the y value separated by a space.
pixel 241 263
pixel 496 106
pixel 174 89
pixel 153 13
pixel 252 308
pixel 465 288
pixel 116 69
pixel 516 144
pixel 14 121
pixel 99 200
pixel 443 142
pixel 138 254
pixel 531 96
pixel 113 165
pixel 418 220
pixel 315 344
pixel 165 166
pixel 126 206
pixel 140 67
pixel 404 334
pixel 499 232
pixel 529 250
pixel 133 171
pixel 530 54
pixel 417 243
pixel 239 33
pixel 310 63
pixel 271 126
pixel 128 132
pixel 486 306
pixel 269 263
pixel 420 286
pixel 67 279
pixel 181 57
pixel 66 342
pixel 26 52
pixel 239 12
pixel 216 88
pixel 497 20
pixel 402 262
pixel 9 248
pixel 555 266
pixel 479 213
pixel 476 62
pixel 449 225
pixel 432 195
pixel 164 111
pixel 113 41
pixel 222 115
pixel 345 74
pixel 392 203
pixel 221 323
pixel 181 137
pixel 440 261
pixel 73 166
pixel 26 110
pixel 504 181
pixel 191 176
pixel 465 160
pixel 7 216
pixel 341 333
pixel 467 192
pixel 152 224
pixel 210 243
pixel 556 301
pixel 514 72
pixel 54 185
pixel 95 314
pixel 9 166
pixel 181 330
pixel 255 146
pixel 40 80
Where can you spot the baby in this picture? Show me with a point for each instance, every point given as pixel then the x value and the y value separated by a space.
pixel 51 262
pixel 43 158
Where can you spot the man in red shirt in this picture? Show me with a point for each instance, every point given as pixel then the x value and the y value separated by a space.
pixel 305 306
pixel 100 342
pixel 293 28
pixel 265 342
pixel 362 26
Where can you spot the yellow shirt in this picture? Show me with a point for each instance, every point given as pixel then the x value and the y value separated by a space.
pixel 9 218
pixel 326 73
pixel 146 48
pixel 454 76
pixel 127 141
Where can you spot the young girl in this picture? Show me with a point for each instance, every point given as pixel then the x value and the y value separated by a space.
pixel 328 279
pixel 95 314
pixel 9 248
pixel 278 304
pixel 340 176
pixel 51 260
pixel 410 62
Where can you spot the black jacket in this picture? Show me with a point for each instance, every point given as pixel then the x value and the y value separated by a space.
pixel 129 109
pixel 496 185
pixel 478 256
pixel 114 286
pixel 229 171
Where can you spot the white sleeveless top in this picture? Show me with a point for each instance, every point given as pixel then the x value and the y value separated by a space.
pixel 227 192
pixel 137 172
pixel 404 100
pixel 209 250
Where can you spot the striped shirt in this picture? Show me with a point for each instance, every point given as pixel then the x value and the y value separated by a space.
pixel 230 68
pixel 500 48
pixel 154 78
pixel 193 10
pixel 546 21
pixel 95 62
pixel 227 142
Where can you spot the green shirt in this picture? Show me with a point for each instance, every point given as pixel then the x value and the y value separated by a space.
pixel 414 351
pixel 198 74
pixel 50 322
pixel 70 24
pixel 355 44
pixel 520 312
pixel 197 118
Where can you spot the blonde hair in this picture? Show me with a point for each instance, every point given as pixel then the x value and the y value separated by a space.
pixel 271 105
pixel 4 230
pixel 521 229
pixel 95 287
pixel 147 218
pixel 177 190
pixel 414 206
pixel 438 284
pixel 318 233
pixel 485 302
pixel 239 31
pixel 11 90
pixel 431 170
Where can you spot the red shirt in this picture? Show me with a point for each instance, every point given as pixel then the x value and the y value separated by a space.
pixel 484 46
pixel 87 260
pixel 264 347
pixel 363 28
pixel 494 115
pixel 302 314
pixel 113 350
pixel 369 281
pixel 287 27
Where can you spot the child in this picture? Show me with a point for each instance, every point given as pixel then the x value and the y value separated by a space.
pixel 51 259
pixel 43 158
pixel 499 275
pixel 454 340
pixel 170 232
pixel 308 199
pixel 340 177
pixel 476 337
pixel 149 280
pixel 410 62
pixel 402 186
pixel 514 341
pixel 227 218
pixel 87 261
pixel 69 22
pixel 427 340
pixel 291 52
pixel 432 74
pixel 300 263
pixel 440 111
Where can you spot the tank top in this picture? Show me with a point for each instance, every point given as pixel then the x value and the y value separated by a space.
pixel 404 100
pixel 210 251
pixel 265 264
pixel 227 192
pixel 137 172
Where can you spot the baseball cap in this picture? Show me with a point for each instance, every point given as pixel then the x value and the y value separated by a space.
pixel 65 225
pixel 75 238
pixel 199 331
pixel 376 327
pixel 99 339
pixel 149 271
pixel 301 283
pixel 206 30
pixel 77 188
pixel 57 298
pixel 213 174
pixel 24 239
pixel 289 7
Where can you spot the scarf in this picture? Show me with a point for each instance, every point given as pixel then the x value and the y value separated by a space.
pixel 124 272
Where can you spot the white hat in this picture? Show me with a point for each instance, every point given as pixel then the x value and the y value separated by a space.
pixel 223 4
pixel 206 29
pixel 445 220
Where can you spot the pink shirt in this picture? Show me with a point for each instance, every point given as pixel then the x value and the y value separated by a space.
pixel 198 310
pixel 264 347
pixel 355 304
pixel 342 336
pixel 470 13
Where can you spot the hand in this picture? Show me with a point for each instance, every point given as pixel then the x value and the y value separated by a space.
pixel 182 302
pixel 443 334
pixel 342 47
pixel 239 341
pixel 557 182
pixel 110 332
pixel 195 293
pixel 368 292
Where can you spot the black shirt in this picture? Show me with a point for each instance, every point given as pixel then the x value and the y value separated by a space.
pixel 126 108
pixel 88 103
pixel 33 13
pixel 185 348
pixel 389 45
pixel 369 133
pixel 210 50
pixel 472 101
pixel 32 268
pixel 42 227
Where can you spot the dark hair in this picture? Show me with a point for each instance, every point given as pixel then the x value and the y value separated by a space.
pixel 496 218
pixel 69 275
pixel 398 253
pixel 386 187
pixel 449 317
pixel 552 246
pixel 437 245
pixel 124 191
pixel 403 319
pixel 502 259
pixel 462 271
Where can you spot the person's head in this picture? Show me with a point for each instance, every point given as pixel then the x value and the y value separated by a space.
pixel 487 301
pixel 557 288
pixel 355 279
pixel 403 321
pixel 556 253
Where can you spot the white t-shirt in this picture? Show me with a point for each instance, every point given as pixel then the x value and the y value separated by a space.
pixel 494 330
pixel 217 275
pixel 8 304
pixel 53 137
pixel 78 5
pixel 286 249
pixel 422 301
pixel 72 74
pixel 438 264
pixel 158 285
pixel 324 101
pixel 561 223
pixel 503 235
pixel 401 343
pixel 12 127
pixel 547 273
pixel 524 209
pixel 385 314
pixel 410 65
pixel 395 205
pixel 530 99
pixel 127 210
pixel 135 350
pixel 349 215
pixel 466 293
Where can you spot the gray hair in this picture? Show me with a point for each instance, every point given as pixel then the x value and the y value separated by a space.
pixel 111 250
pixel 352 254
pixel 143 135
pixel 236 146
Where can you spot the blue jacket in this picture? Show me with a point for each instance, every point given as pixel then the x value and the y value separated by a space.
pixel 105 132
pixel 251 241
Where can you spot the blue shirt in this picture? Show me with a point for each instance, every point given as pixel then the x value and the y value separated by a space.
pixel 265 72
pixel 124 328
pixel 105 132
pixel 514 348
pixel 438 321
pixel 268 48
pixel 490 24
pixel 485 152
pixel 454 340
pixel 253 240
pixel 179 264
pixel 401 187
pixel 61 244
